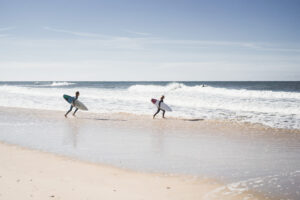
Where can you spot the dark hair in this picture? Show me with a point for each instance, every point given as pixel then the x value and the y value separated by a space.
pixel 77 93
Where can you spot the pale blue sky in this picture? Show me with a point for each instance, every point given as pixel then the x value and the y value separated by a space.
pixel 150 40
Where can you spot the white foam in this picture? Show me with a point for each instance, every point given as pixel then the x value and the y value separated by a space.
pixel 179 87
pixel 156 88
pixel 275 109
pixel 55 84
pixel 241 187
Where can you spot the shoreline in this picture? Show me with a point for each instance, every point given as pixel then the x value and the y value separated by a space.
pixel 212 123
pixel 238 158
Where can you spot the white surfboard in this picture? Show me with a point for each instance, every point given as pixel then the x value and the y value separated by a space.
pixel 79 105
pixel 163 106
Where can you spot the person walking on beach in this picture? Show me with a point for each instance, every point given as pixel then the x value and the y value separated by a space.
pixel 72 105
pixel 159 109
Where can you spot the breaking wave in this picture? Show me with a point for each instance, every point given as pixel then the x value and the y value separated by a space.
pixel 279 109
pixel 182 88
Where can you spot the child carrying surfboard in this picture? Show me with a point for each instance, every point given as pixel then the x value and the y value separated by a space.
pixel 72 104
pixel 159 108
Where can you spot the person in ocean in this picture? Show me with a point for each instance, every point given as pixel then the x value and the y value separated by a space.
pixel 159 109
pixel 72 105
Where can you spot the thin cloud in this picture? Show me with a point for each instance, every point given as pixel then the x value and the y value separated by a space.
pixel 7 28
pixel 277 49
pixel 140 43
pixel 94 35
pixel 83 34
pixel 167 65
pixel 137 33
pixel 203 43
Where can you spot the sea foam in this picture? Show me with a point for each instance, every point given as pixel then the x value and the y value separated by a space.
pixel 279 109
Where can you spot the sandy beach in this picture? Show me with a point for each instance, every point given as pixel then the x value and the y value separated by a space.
pixel 30 174
pixel 150 100
pixel 114 156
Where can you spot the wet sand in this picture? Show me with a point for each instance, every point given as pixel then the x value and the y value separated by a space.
pixel 232 160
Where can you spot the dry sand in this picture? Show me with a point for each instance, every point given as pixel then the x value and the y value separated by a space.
pixel 30 174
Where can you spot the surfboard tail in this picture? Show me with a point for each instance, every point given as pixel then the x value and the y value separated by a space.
pixel 153 101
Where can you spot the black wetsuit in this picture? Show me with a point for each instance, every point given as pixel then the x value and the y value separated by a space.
pixel 159 109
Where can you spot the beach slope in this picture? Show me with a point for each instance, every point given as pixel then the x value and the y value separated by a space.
pixel 30 174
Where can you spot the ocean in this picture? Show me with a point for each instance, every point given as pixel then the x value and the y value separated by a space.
pixel 273 104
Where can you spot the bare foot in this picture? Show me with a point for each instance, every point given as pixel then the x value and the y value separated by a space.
pixel 66 116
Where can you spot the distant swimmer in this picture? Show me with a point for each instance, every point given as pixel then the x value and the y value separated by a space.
pixel 159 107
pixel 72 104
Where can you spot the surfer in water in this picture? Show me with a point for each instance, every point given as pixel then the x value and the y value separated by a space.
pixel 76 97
pixel 159 109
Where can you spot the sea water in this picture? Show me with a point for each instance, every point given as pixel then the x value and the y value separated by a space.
pixel 274 104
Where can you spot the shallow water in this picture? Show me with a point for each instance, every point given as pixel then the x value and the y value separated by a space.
pixel 275 104
pixel 265 162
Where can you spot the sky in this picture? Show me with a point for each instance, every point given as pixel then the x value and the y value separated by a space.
pixel 157 40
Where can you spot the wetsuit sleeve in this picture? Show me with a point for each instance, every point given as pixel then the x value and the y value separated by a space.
pixel 159 104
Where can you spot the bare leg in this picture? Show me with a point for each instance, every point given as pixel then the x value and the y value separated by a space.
pixel 156 113
pixel 69 111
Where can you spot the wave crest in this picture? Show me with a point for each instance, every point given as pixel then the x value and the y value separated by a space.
pixel 55 84
pixel 156 88
pixel 181 88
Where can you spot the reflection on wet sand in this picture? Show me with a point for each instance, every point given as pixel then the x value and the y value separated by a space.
pixel 242 156
pixel 72 132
